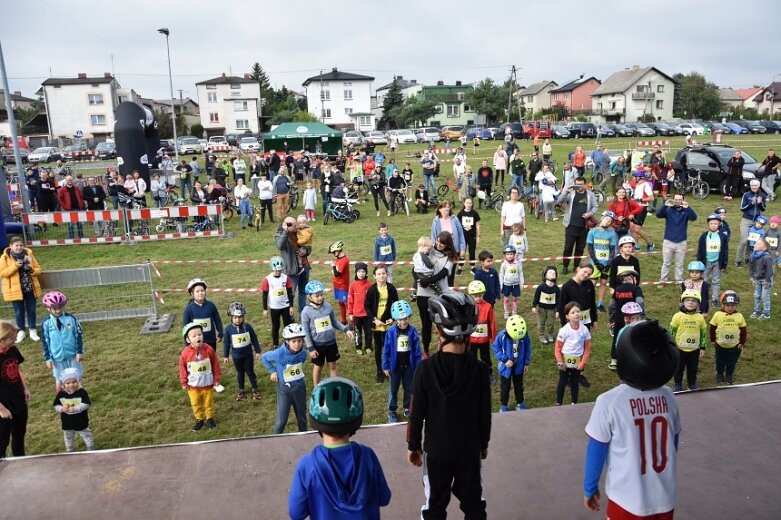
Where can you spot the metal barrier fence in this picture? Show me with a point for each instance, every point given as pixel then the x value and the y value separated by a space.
pixel 100 293
pixel 123 225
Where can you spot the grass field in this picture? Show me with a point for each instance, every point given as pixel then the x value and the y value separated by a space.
pixel 133 379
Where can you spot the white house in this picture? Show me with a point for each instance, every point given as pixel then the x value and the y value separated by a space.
pixel 229 105
pixel 536 96
pixel 628 95
pixel 81 105
pixel 333 97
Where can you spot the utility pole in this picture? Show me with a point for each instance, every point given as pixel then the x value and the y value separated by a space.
pixel 513 82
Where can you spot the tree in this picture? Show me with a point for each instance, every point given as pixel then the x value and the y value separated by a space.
pixel 393 99
pixel 165 128
pixel 304 116
pixel 416 110
pixel 489 99
pixel 259 75
pixel 699 99
pixel 197 129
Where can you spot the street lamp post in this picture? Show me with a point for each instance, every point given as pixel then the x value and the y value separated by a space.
pixel 166 32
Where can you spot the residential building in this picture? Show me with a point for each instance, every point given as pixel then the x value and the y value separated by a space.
pixel 186 108
pixel 630 94
pixel 381 92
pixel 730 98
pixel 364 121
pixel 18 101
pixel 228 105
pixel 334 96
pixel 536 96
pixel 81 106
pixel 575 96
pixel 768 100
pixel 748 95
pixel 451 105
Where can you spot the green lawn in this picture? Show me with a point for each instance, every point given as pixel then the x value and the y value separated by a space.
pixel 133 379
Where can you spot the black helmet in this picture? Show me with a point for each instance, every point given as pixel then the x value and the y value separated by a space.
pixel 455 312
pixel 359 266
pixel 646 354
pixel 336 406
pixel 549 268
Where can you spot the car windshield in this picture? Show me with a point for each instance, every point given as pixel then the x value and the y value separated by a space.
pixel 248 140
pixel 725 154
pixel 376 134
pixel 41 150
pixel 104 146
pixel 190 141
pixel 403 132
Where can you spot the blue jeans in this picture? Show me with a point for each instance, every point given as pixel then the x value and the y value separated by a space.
pixel 762 297
pixel 182 184
pixel 290 397
pixel 22 307
pixel 303 279
pixel 78 227
pixel 429 184
pixel 245 207
pixel 401 376
pixel 517 180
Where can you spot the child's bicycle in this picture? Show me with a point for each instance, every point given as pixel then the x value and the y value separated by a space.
pixel 398 200
pixel 449 190
pixel 293 200
pixel 256 220
pixel 204 225
pixel 171 195
pixel 691 182
pixel 341 210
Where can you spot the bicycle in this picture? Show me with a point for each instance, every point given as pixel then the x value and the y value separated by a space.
pixel 341 209
pixel 256 220
pixel 444 191
pixel 692 183
pixel 293 200
pixel 204 225
pixel 171 195
pixel 398 200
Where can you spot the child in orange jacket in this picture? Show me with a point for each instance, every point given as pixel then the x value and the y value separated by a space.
pixel 356 313
pixel 199 374
pixel 482 338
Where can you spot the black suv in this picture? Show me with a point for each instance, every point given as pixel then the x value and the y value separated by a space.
pixel 711 161
pixel 578 129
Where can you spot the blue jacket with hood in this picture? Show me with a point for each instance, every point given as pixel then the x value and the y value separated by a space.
pixel 503 349
pixel 389 354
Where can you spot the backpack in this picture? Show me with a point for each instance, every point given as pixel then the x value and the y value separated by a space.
pixel 282 184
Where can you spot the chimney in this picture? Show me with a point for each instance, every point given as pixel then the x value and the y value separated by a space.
pixel 333 69
pixel 82 75
pixel 458 83
pixel 107 75
pixel 399 77
pixel 413 82
pixel 440 83
pixel 17 92
pixel 223 75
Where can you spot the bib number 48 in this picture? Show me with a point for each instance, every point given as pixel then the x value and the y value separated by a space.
pixel 656 429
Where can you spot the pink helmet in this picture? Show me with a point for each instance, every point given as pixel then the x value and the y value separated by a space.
pixel 54 299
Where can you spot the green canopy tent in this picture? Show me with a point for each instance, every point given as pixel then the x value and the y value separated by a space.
pixel 303 136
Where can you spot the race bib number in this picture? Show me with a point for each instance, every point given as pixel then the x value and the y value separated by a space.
pixel 278 293
pixel 468 222
pixel 481 331
pixel 753 237
pixel 518 244
pixel 323 324
pixel 293 373
pixel 385 250
pixel 206 324
pixel 585 316
pixel 515 350
pixel 689 341
pixel 772 241
pixel 201 367
pixel 571 361
pixel 727 337
pixel 512 271
pixel 548 299
pixel 602 254
pixel 74 401
pixel 240 340
pixel 715 247
pixel 402 343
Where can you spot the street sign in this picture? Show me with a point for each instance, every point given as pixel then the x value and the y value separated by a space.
pixel 79 134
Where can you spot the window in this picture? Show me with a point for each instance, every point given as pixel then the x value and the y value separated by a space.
pixel 214 117
pixel 348 95
pixel 242 124
pixel 347 84
pixel 348 111
pixel 95 99
pixel 211 87
pixel 660 88
pixel 57 86
pixel 95 85
pixel 659 103
pixel 453 110
pixel 439 109
pixel 566 95
pixel 460 96
pixel 612 105
pixel 530 99
pixel 235 86
pixel 364 120
pixel 325 95
pixel 467 108
pixel 240 106
pixel 97 120
pixel 326 113
pixel 211 97
pixel 643 88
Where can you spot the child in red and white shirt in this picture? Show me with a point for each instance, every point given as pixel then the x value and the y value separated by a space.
pixel 482 338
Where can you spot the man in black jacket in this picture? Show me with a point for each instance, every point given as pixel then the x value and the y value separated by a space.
pixel 94 196
pixel 451 392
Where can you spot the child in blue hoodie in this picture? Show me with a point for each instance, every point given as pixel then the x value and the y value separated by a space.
pixel 61 337
pixel 286 366
pixel 385 249
pixel 340 480
pixel 203 312
pixel 400 357
pixel 513 350
pixel 240 341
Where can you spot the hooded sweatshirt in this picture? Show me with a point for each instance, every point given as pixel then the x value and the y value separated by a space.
pixel 547 296
pixel 452 394
pixel 319 324
pixel 344 482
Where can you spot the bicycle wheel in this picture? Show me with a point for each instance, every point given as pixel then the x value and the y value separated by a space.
pixel 352 218
pixel 211 226
pixel 398 203
pixel 701 190
pixel 191 228
pixel 227 213
pixel 160 228
pixel 597 178
pixel 326 217
pixel 498 203
pixel 599 195
pixel 294 201
pixel 144 229
pixel 357 214
pixel 442 190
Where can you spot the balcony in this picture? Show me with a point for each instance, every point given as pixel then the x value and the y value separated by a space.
pixel 643 96
pixel 607 111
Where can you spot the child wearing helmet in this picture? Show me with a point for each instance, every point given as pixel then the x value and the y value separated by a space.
pixel 728 333
pixel 239 342
pixel 761 272
pixel 319 321
pixel 199 374
pixel 513 351
pixel 773 238
pixel 626 292
pixel 378 303
pixel 276 293
pixel 285 365
pixel 697 282
pixel 511 279
pixel 713 253
pixel 690 331
pixel 573 348
pixel 545 304
pixel 633 313
pixel 340 266
pixel 485 331
pixel 401 355
pixel 202 311
pixel 626 426
pixel 624 260
pixel 72 403
pixel 61 337
pixel 356 483
pixel 602 243
pixel 357 317
pixel 757 231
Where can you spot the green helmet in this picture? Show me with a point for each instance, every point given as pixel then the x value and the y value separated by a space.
pixel 188 327
pixel 277 263
pixel 336 406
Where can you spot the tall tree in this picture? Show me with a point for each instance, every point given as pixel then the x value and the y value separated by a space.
pixel 489 99
pixel 415 110
pixel 393 99
pixel 259 75
pixel 699 98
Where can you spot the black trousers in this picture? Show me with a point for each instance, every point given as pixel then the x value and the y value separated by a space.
pixel 732 187
pixel 276 314
pixel 460 476
pixel 471 246
pixel 504 388
pixel 13 430
pixel 497 174
pixel 266 205
pixel 690 362
pixel 571 377
pixel 379 194
pixel 363 329
pixel 245 367
pixel 425 322
pixel 379 341
pixel 574 239
pixel 482 351
pixel 726 359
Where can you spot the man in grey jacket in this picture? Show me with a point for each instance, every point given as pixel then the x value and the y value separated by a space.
pixel 581 205
pixel 286 240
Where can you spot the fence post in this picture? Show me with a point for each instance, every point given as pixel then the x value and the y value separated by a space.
pixel 151 285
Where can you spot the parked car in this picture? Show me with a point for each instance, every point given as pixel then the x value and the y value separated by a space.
pixel 376 137
pixel 249 144
pixel 428 134
pixel 218 140
pixel 451 132
pixel 718 127
pixel 662 128
pixel 108 150
pixel 621 130
pixel 752 126
pixel 189 145
pixel 204 144
pixel 561 132
pixel 540 128
pixel 45 154
pixel 495 133
pixel 736 129
pixel 772 127
pixel 406 136
pixel 167 146
pixel 578 129
pixel 641 129
pixel 711 161
pixel 70 151
pixel 691 129
pixel 516 128
pixel 9 157
pixel 478 131
pixel 353 137
pixel 607 132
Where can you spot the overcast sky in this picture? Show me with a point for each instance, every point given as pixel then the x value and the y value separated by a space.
pixel 733 44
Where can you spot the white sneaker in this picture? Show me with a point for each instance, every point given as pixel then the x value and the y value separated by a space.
pixel 20 336
pixel 34 335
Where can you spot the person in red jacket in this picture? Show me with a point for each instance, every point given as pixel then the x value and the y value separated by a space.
pixel 626 209
pixel 70 199
pixel 199 375
pixel 340 266
pixel 483 337
pixel 356 312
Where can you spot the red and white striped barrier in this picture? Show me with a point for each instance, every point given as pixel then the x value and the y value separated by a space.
pixel 74 241
pixel 72 217
pixel 653 143
pixel 84 155
pixel 208 210
pixel 451 151
pixel 219 148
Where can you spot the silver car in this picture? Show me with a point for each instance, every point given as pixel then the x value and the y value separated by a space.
pixel 353 137
pixel 376 137
pixel 428 134
pixel 190 145
pixel 45 154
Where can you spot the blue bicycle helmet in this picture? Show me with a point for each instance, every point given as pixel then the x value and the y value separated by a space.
pixel 314 287
pixel 761 219
pixel 695 265
pixel 401 310
pixel 608 213
pixel 508 249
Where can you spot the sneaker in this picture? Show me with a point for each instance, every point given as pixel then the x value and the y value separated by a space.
pixel 754 315
pixel 368 350
pixel 406 413
pixel 543 340
pixel 613 364
pixel 34 335
pixel 492 379
pixel 677 388
pixel 521 406
pixel 20 336
pixel 730 380
pixel 719 378
pixel 379 378
pixel 761 317
pixel 359 351
pixel 503 409
pixel 255 395
pixel 584 382
pixel 240 396
pixel 650 248
pixel 393 418
pixel 694 388
pixel 601 307
pixel 551 340
pixel 198 425
pixel 211 424
pixel 565 270
pixel 738 264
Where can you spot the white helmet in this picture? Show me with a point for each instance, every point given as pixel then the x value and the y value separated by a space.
pixel 626 239
pixel 294 330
